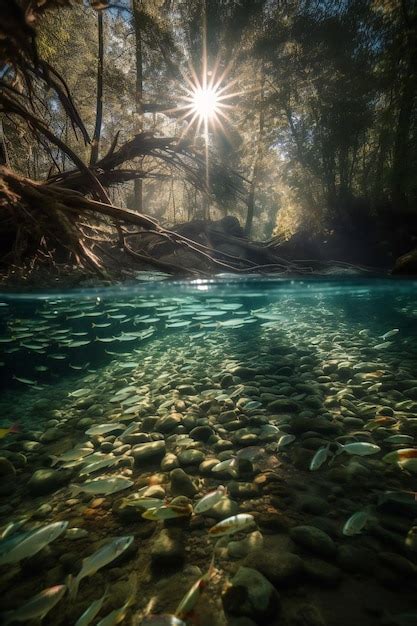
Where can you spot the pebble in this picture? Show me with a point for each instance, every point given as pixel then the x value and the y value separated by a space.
pixel 251 595
pixel 45 481
pixel 181 484
pixel 313 539
pixel 148 453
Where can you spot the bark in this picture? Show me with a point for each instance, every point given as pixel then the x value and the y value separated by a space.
pixel 136 7
pixel 256 166
pixel 99 106
pixel 4 157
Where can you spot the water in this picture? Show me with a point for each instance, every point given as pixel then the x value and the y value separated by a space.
pixel 180 374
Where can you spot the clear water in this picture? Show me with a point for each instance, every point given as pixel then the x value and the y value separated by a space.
pixel 252 361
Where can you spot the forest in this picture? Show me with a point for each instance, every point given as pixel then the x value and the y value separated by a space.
pixel 207 136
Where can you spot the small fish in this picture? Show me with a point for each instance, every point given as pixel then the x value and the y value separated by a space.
pixel 102 557
pixel 37 607
pixel 399 439
pixel 80 393
pixel 192 596
pixel 356 523
pixel 12 528
pixel 14 550
pixel 25 381
pixel 144 503
pixel 118 615
pixel 162 620
pixel 91 612
pixel 229 466
pixel 4 431
pixel 103 429
pixel 359 448
pixel 320 457
pixel 75 454
pixel 253 404
pixel 98 465
pixel 383 346
pixel 167 511
pixel 398 456
pixel 210 499
pixel 233 524
pixel 390 333
pixel 102 486
pixel 284 441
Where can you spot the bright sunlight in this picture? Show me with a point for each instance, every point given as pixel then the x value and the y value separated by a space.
pixel 205 102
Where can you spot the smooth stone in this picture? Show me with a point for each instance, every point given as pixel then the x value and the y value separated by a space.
pixel 201 433
pixel 191 457
pixel 281 568
pixel 223 509
pixel 240 549
pixel 356 559
pixel 45 481
pixel 169 462
pixel 399 563
pixel 242 490
pixel 300 424
pixel 147 453
pixel 168 423
pixel 168 550
pixel 76 533
pixel 52 434
pixel 314 540
pixel 285 405
pixel 43 511
pixel 181 484
pixel 251 595
pixel 322 572
pixel 313 504
pixel 273 522
pixel 206 466
pixel 7 469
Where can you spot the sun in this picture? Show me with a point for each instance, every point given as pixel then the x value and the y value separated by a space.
pixel 205 102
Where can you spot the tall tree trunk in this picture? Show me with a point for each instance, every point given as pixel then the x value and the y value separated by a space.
pixel 137 8
pixel 400 164
pixel 99 107
pixel 4 157
pixel 256 166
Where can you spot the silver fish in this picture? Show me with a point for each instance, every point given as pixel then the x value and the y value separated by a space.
pixel 209 500
pixel 320 457
pixel 355 524
pixel 103 429
pixel 103 486
pixel 37 607
pixel 103 556
pixel 232 525
pixel 31 543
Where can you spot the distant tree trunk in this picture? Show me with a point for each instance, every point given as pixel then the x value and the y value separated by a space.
pixel 256 166
pixel 400 164
pixel 4 157
pixel 99 107
pixel 401 161
pixel 137 8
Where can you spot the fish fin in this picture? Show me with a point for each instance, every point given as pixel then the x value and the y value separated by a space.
pixel 55 459
pixel 340 448
pixel 72 585
pixel 75 490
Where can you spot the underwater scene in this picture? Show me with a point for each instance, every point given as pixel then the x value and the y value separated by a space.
pixel 210 453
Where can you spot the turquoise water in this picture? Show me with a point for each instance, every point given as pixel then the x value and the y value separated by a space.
pixel 123 404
